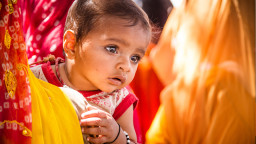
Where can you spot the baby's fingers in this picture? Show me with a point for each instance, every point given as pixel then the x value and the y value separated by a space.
pixel 93 122
pixel 95 113
pixel 94 131
pixel 89 107
pixel 97 140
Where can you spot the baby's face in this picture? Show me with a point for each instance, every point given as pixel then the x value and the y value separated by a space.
pixel 108 57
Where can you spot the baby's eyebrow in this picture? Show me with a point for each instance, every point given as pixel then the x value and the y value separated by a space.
pixel 118 40
pixel 141 51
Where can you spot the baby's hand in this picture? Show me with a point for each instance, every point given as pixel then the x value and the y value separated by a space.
pixel 98 125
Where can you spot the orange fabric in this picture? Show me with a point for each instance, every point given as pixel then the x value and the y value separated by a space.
pixel 224 115
pixel 147 88
pixel 206 56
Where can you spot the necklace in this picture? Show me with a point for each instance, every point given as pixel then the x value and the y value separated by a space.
pixel 68 83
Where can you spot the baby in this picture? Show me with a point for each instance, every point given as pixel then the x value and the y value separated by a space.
pixel 104 40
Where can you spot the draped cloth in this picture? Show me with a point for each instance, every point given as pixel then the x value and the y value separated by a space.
pixel 43 25
pixel 31 111
pixel 206 56
pixel 15 96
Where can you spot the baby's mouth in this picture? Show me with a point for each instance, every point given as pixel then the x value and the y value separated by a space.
pixel 117 80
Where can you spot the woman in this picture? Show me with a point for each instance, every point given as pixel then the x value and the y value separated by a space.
pixel 206 56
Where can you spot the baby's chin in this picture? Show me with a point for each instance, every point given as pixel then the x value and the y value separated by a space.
pixel 111 90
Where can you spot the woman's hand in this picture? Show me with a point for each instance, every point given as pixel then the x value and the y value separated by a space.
pixel 98 125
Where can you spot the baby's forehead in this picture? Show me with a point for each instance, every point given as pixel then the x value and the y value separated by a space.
pixel 118 30
pixel 114 21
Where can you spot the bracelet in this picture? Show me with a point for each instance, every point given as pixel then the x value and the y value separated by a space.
pixel 127 137
pixel 116 136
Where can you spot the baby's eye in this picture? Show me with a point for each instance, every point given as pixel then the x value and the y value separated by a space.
pixel 112 49
pixel 135 59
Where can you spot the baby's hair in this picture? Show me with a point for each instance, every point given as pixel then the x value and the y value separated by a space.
pixel 84 14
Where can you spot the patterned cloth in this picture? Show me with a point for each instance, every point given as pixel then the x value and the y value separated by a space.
pixel 54 117
pixel 15 96
pixel 43 25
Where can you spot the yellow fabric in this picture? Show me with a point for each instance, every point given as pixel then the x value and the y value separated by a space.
pixel 224 115
pixel 156 131
pixel 54 118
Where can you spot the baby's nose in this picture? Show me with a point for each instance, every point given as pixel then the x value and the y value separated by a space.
pixel 124 65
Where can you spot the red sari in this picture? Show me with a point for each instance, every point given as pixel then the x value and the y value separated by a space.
pixel 15 95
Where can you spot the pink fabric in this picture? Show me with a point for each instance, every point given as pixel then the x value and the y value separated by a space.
pixel 125 104
pixel 137 126
pixel 43 25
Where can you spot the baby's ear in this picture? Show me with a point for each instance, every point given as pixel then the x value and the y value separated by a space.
pixel 69 41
